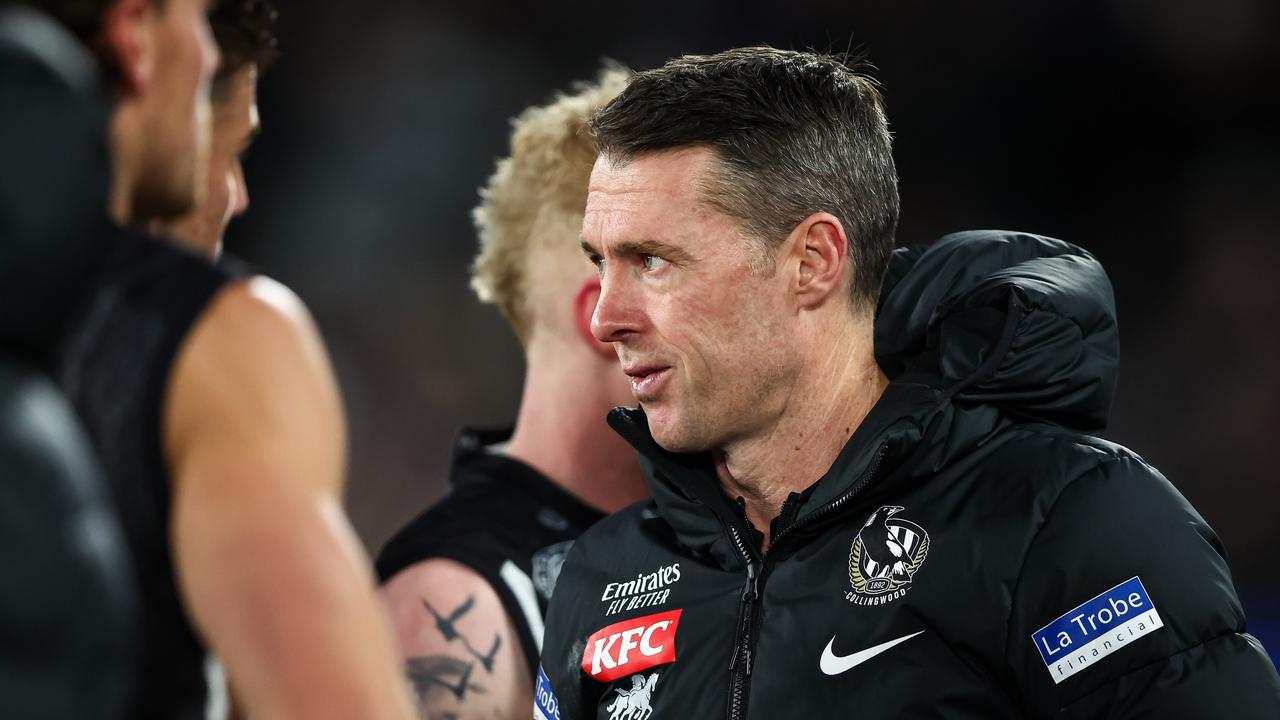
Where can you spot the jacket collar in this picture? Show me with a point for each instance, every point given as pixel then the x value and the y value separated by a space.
pixel 689 496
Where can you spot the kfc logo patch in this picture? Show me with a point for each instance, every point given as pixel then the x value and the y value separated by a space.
pixel 631 646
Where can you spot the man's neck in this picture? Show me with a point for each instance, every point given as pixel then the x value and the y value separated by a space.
pixel 827 402
pixel 120 132
pixel 561 431
pixel 184 233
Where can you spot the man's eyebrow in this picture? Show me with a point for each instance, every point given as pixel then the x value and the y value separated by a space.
pixel 639 247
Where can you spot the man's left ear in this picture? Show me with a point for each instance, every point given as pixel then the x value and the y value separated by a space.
pixel 127 40
pixel 822 249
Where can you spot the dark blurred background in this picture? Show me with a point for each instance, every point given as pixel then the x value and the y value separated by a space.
pixel 1144 130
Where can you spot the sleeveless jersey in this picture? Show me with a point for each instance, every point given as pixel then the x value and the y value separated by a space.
pixel 115 369
pixel 504 520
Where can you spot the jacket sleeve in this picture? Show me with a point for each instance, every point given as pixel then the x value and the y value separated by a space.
pixel 560 693
pixel 1124 608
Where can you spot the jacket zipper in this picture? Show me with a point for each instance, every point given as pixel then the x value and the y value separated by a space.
pixel 741 661
pixel 838 502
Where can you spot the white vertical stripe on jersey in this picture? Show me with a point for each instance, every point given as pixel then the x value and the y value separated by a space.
pixel 522 587
pixel 217 704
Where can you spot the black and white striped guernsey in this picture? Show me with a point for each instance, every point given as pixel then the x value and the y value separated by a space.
pixel 503 519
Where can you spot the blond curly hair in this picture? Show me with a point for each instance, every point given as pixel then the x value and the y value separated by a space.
pixel 534 202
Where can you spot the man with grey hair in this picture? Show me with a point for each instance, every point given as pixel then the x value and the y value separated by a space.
pixel 877 486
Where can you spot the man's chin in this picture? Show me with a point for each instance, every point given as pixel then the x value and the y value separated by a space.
pixel 671 434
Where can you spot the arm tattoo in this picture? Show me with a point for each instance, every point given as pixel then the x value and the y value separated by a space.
pixel 486 660
pixel 445 624
pixel 436 676
pixel 440 672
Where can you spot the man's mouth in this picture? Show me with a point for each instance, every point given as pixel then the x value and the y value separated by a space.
pixel 647 380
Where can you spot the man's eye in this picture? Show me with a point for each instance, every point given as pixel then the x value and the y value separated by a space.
pixel 653 262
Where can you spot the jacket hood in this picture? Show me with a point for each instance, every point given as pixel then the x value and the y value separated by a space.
pixel 687 491
pixel 54 230
pixel 985 321
pixel 1018 321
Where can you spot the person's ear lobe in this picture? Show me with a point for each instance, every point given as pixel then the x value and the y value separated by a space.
pixel 584 306
pixel 129 45
pixel 823 252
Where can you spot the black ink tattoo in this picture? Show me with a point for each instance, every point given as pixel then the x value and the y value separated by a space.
pixel 487 659
pixel 445 624
pixel 441 671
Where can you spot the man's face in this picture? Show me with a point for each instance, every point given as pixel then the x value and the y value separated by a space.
pixel 174 108
pixel 235 123
pixel 705 339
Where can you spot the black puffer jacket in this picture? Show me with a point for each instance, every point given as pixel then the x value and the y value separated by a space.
pixel 972 553
pixel 67 604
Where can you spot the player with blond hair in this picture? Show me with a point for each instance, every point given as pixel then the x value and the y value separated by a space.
pixel 468 580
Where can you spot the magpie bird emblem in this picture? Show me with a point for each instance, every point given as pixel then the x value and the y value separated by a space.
pixel 886 554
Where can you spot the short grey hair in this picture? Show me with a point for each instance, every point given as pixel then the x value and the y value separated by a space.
pixel 794 133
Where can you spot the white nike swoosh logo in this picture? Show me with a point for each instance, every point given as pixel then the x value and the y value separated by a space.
pixel 833 664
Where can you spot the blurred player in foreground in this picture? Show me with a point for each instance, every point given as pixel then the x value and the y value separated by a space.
pixel 211 402
pixel 468 580
pixel 67 621
pixel 245 34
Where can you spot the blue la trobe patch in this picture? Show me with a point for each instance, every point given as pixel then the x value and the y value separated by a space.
pixel 545 704
pixel 1096 628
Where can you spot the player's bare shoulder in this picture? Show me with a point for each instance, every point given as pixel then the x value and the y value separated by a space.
pixel 461 653
pixel 253 329
pixel 254 370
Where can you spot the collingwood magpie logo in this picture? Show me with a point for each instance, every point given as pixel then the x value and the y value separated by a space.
pixel 886 554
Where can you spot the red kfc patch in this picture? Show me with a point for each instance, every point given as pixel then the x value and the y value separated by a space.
pixel 631 646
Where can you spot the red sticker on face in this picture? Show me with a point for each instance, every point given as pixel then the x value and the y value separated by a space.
pixel 631 646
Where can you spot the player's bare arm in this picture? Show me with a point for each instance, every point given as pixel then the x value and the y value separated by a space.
pixel 460 650
pixel 268 565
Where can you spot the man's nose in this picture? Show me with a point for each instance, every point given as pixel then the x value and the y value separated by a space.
pixel 618 313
